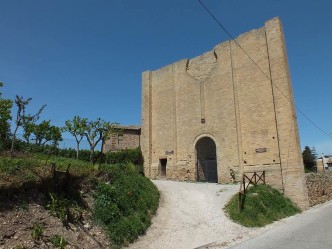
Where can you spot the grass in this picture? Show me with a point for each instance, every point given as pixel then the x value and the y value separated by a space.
pixel 125 207
pixel 58 241
pixel 262 205
pixel 124 200
pixel 37 231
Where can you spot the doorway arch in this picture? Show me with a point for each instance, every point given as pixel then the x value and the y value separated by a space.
pixel 206 160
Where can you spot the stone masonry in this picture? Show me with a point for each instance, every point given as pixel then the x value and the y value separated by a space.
pixel 245 115
pixel 128 139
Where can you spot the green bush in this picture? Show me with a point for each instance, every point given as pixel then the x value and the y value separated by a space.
pixel 262 205
pixel 125 206
pixel 129 155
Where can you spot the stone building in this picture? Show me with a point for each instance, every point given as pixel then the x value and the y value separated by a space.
pixel 129 138
pixel 324 163
pixel 223 113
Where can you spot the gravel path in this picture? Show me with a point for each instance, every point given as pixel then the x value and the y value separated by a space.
pixel 191 215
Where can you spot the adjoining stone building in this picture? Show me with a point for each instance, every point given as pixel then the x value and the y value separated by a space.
pixel 218 115
pixel 129 138
pixel 324 163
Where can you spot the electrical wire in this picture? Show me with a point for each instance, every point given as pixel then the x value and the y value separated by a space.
pixel 232 38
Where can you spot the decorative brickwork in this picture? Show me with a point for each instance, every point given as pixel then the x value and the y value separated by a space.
pixel 222 95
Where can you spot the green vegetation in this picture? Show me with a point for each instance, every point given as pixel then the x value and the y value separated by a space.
pixel 22 118
pixel 5 116
pixel 65 209
pixel 124 200
pixel 58 241
pixel 309 159
pixel 37 232
pixel 262 205
pixel 125 206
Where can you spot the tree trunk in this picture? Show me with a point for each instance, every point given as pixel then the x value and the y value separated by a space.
pixel 77 149
pixel 13 140
pixel 91 153
pixel 101 151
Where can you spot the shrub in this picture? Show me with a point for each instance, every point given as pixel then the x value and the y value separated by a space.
pixel 262 205
pixel 125 156
pixel 125 205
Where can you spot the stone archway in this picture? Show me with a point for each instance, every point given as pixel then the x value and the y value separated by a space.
pixel 206 160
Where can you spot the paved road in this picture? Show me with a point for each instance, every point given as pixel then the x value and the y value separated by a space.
pixel 310 230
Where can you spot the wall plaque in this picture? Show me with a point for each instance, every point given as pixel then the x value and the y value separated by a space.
pixel 260 150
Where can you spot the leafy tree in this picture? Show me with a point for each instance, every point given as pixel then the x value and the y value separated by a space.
pixel 28 131
pixel 22 118
pixel 309 159
pixel 45 132
pixel 96 131
pixel 5 106
pixel 92 132
pixel 76 127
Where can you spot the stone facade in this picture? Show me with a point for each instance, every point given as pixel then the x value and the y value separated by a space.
pixel 129 139
pixel 222 101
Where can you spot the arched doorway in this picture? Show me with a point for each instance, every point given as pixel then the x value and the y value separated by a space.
pixel 206 160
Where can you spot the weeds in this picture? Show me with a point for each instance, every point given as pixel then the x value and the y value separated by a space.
pixel 37 231
pixel 58 207
pixel 64 209
pixel 23 206
pixel 58 241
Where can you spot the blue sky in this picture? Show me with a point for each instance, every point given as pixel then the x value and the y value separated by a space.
pixel 84 57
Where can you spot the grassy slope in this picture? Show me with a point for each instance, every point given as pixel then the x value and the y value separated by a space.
pixel 124 201
pixel 262 205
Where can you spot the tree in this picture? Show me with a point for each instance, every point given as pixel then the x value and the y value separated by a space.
pixel 109 130
pixel 5 107
pixel 45 132
pixel 76 127
pixel 309 159
pixel 93 135
pixel 28 131
pixel 22 118
pixel 96 131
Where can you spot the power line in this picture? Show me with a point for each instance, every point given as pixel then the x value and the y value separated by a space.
pixel 232 38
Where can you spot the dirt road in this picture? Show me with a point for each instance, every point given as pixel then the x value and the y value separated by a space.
pixel 191 215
